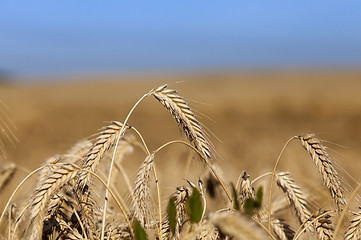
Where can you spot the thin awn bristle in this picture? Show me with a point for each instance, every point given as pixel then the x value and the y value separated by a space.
pixel 184 116
pixel 7 129
pixel 294 195
pixel 325 167
pixel 58 176
pixel 354 229
pixel 141 192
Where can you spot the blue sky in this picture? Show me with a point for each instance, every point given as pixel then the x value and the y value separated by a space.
pixel 40 38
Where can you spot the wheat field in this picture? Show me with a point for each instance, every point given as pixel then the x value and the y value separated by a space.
pixel 267 155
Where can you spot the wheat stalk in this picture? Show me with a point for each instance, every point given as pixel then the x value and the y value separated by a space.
pixel 325 167
pixel 294 195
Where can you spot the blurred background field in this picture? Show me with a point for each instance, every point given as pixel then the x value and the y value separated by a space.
pixel 255 73
pixel 249 115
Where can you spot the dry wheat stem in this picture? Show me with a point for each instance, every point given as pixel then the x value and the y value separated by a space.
pixel 142 139
pixel 294 194
pixel 325 167
pixel 18 220
pixel 125 176
pixel 115 198
pixel 261 176
pixel 159 228
pixel 112 161
pixel 272 179
pixel 80 222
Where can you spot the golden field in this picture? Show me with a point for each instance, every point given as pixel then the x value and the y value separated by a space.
pixel 249 117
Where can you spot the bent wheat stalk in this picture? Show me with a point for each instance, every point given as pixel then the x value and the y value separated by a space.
pixel 272 178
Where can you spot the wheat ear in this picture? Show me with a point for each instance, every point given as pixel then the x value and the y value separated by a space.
pixel 246 190
pixel 233 224
pixel 354 229
pixel 282 229
pixel 6 172
pixel 294 195
pixel 57 177
pixel 323 225
pixel 141 192
pixel 180 198
pixel 184 116
pixel 325 167
pixel 106 139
